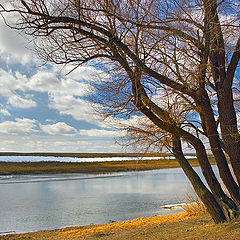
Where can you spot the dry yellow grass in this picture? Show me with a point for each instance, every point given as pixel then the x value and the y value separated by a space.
pixel 112 227
pixel 182 226
pixel 89 167
pixel 194 206
pixel 95 231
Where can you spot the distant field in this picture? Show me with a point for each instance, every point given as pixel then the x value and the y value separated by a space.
pixel 89 167
pixel 90 155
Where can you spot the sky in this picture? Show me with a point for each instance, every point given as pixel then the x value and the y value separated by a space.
pixel 42 108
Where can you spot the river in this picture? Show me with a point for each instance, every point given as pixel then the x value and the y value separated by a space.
pixel 39 202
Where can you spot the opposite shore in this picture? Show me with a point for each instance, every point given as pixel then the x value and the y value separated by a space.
pixel 54 167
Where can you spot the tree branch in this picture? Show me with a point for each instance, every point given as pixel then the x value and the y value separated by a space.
pixel 233 65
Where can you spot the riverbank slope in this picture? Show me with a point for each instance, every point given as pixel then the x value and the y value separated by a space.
pixel 182 226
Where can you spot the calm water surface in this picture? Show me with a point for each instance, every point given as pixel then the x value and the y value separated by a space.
pixel 37 202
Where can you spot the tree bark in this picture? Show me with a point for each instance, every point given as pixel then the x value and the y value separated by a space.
pixel 220 209
pixel 203 193
pixel 229 130
pixel 223 81
pixel 213 136
pixel 228 206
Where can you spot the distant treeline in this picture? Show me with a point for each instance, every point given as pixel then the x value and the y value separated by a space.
pixel 90 155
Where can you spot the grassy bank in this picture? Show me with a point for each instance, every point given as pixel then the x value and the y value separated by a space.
pixel 171 227
pixel 88 167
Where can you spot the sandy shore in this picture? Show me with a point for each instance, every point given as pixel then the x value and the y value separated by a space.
pixel 182 226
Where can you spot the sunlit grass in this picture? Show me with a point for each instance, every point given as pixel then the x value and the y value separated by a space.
pixel 89 167
pixel 99 230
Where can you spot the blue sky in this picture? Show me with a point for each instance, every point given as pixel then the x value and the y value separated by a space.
pixel 42 108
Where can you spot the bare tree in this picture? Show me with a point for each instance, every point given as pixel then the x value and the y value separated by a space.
pixel 175 62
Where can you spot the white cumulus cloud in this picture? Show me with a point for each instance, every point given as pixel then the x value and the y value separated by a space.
pixel 7 83
pixel 13 45
pixel 19 126
pixel 87 73
pixel 19 102
pixel 5 112
pixel 43 81
pixel 59 128
pixel 70 105
pixel 10 84
pixel 101 133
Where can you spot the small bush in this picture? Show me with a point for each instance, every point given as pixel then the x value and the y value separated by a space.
pixel 194 205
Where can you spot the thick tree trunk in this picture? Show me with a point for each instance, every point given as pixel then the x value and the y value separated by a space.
pixel 227 205
pixel 212 133
pixel 229 130
pixel 204 194
pixel 234 153
pixel 221 209
pixel 223 79
pixel 205 165
pixel 201 154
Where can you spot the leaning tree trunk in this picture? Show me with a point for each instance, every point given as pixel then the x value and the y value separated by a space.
pixel 207 117
pixel 156 115
pixel 219 210
pixel 228 206
pixel 203 193
pixel 229 129
pixel 227 113
pixel 223 78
